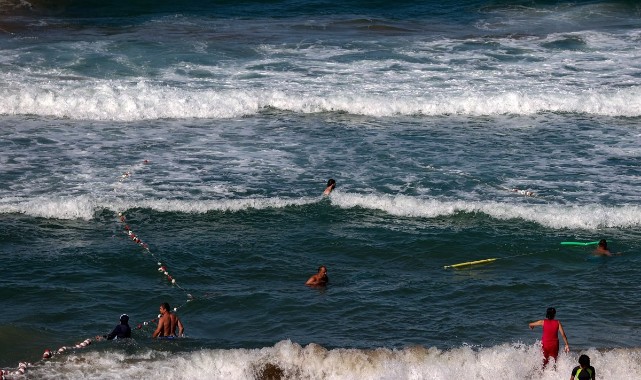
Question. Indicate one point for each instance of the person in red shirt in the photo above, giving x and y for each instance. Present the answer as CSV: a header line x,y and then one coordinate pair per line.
x,y
550,338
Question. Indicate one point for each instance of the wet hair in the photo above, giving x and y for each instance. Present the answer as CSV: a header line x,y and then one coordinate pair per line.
x,y
550,313
321,267
331,182
165,306
603,243
584,360
124,318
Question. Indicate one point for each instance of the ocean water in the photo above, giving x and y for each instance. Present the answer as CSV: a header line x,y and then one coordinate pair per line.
x,y
198,137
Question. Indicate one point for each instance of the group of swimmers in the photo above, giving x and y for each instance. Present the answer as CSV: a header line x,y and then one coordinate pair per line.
x,y
320,279
169,326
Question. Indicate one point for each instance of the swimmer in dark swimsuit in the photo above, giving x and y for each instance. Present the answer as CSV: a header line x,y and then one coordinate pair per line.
x,y
119,332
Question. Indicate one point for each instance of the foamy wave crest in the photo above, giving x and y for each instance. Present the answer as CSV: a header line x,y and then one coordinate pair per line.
x,y
143,101
588,217
85,207
232,205
287,360
82,207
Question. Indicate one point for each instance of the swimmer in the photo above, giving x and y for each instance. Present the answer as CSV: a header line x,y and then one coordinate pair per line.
x,y
524,192
331,184
320,278
120,331
168,323
584,371
602,249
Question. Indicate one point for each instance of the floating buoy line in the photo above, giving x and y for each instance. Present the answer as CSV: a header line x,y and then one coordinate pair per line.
x,y
21,370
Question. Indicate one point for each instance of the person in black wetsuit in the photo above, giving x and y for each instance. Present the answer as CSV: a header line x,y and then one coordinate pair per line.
x,y
584,371
121,331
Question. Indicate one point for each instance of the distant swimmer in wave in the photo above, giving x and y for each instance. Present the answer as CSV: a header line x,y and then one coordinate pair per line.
x,y
331,184
602,249
524,192
119,332
168,323
584,371
550,338
319,279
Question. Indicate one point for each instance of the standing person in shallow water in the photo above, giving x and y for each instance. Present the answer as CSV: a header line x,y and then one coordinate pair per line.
x,y
168,323
320,278
584,371
331,184
550,338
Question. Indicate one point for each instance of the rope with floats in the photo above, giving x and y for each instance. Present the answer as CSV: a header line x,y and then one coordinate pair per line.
x,y
48,354
134,237
21,370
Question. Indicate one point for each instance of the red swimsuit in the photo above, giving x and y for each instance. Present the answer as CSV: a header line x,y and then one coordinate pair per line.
x,y
550,339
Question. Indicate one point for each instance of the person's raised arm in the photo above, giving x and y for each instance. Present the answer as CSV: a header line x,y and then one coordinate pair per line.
x,y
534,324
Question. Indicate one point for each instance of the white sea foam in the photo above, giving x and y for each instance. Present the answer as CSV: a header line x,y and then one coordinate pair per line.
x,y
84,207
289,360
554,216
142,101
474,76
589,217
81,207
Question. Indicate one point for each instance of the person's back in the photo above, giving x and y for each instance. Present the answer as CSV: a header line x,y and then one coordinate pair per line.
x,y
550,332
331,184
164,322
122,330
584,371
550,338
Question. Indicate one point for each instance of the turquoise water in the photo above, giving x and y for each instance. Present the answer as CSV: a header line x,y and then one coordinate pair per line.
x,y
213,131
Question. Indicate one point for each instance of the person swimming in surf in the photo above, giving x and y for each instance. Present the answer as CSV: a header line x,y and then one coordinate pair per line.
x,y
167,323
584,371
320,278
331,184
120,331
602,249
